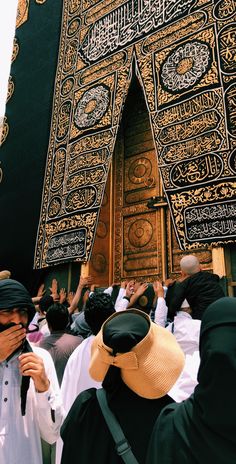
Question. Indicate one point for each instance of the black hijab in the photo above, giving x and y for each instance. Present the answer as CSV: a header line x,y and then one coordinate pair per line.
x,y
202,429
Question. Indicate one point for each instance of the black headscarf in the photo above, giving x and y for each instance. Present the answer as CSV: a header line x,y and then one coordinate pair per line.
x,y
14,295
122,334
202,429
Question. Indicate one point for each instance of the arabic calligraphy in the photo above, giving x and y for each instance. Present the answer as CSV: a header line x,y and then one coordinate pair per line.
x,y
227,46
90,142
86,160
176,31
186,109
63,120
230,98
209,212
66,246
58,169
210,230
80,199
185,66
54,207
225,9
193,127
128,23
201,169
86,177
92,106
191,148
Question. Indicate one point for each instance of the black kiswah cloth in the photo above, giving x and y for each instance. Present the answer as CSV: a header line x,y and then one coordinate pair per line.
x,y
14,295
202,429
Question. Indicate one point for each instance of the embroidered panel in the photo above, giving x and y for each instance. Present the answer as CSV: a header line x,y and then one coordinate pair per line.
x,y
183,52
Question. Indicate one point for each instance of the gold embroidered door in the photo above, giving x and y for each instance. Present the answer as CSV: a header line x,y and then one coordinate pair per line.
x,y
135,236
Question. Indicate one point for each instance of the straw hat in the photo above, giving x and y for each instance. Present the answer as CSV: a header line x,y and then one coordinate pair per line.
x,y
150,368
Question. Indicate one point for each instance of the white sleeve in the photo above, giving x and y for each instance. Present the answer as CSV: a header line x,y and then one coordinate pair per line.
x,y
161,312
120,294
187,381
121,305
49,404
108,290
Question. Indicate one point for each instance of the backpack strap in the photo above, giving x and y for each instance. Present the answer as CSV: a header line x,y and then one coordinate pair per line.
x,y
123,448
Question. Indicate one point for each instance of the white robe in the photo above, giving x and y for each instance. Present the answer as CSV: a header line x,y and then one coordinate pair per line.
x,y
20,436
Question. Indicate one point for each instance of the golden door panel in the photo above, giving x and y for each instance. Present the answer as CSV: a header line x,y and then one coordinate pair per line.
x,y
140,255
133,240
137,229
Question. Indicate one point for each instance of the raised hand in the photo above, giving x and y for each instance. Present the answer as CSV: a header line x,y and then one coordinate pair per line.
x,y
70,297
41,291
62,295
54,290
158,289
141,289
30,364
85,281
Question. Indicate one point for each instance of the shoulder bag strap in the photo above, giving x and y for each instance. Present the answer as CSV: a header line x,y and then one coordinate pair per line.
x,y
123,448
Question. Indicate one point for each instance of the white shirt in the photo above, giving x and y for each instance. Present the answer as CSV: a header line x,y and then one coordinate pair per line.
x,y
185,329
20,435
121,302
187,381
187,332
76,379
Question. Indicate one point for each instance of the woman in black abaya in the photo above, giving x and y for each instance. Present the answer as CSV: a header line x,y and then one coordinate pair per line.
x,y
202,429
137,363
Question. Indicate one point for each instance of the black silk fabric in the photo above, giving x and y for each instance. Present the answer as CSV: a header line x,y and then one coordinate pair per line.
x,y
23,153
202,429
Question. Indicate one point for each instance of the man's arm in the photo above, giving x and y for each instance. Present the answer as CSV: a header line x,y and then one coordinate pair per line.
x,y
175,296
161,308
83,282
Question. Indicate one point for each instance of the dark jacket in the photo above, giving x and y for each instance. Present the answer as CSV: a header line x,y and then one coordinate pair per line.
x,y
200,290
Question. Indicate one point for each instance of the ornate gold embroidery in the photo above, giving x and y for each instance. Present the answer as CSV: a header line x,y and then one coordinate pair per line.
x,y
16,49
176,60
11,88
22,12
5,131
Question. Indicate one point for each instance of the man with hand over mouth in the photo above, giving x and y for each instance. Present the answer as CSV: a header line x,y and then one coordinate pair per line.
x,y
30,402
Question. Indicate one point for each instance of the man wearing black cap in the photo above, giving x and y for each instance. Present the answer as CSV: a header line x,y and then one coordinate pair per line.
x,y
30,403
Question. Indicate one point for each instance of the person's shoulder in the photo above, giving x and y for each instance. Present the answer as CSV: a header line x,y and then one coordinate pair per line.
x,y
85,344
84,400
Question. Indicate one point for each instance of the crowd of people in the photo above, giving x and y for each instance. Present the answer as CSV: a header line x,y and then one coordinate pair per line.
x,y
136,373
